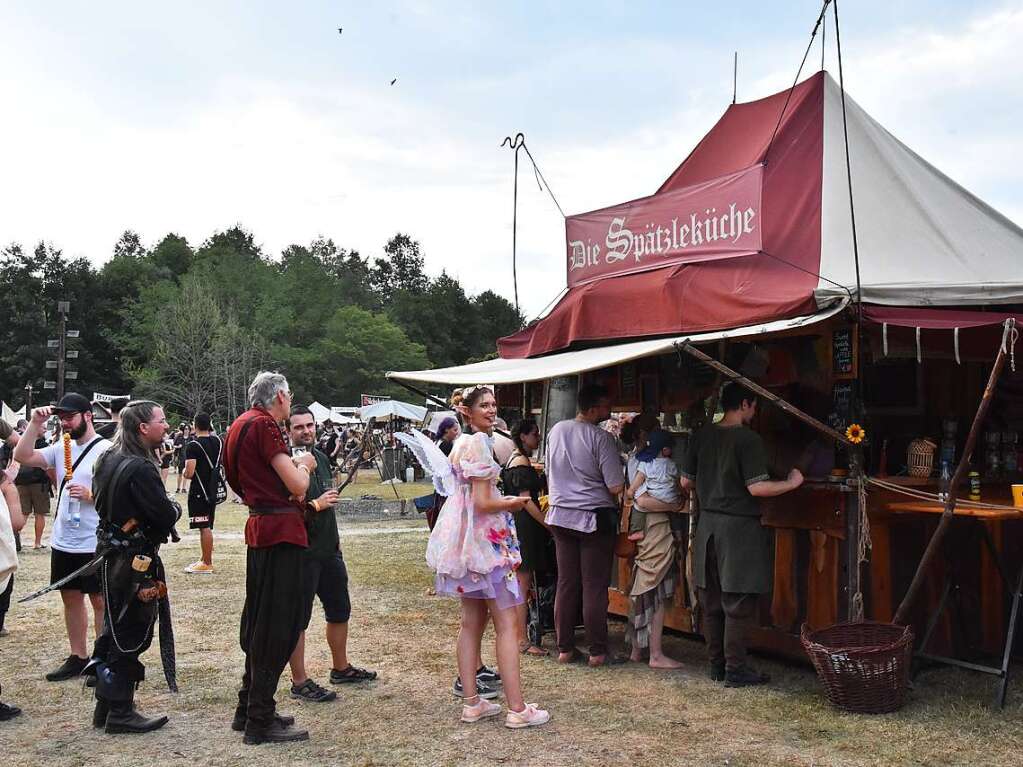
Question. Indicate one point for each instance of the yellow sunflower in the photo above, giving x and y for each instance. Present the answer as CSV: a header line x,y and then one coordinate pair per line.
x,y
855,433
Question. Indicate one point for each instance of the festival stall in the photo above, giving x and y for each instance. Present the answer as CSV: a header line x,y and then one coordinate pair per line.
x,y
745,263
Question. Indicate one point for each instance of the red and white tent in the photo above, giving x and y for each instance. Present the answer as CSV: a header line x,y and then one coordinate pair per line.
x,y
754,227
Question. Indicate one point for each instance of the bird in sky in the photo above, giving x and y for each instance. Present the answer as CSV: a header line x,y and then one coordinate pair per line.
x,y
394,81
339,30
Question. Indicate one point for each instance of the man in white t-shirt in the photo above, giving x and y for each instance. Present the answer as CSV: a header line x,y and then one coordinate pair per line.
x,y
73,539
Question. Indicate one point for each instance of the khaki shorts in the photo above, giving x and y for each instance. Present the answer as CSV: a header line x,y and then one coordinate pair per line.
x,y
35,499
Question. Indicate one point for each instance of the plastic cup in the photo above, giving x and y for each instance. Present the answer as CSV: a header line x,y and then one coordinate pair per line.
x,y
1017,496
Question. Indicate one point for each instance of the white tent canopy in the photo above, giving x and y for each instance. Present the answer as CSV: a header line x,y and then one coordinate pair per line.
x,y
503,371
336,416
923,239
436,417
323,413
320,412
392,408
12,416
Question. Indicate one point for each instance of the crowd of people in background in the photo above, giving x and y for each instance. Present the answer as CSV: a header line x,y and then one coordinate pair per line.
x,y
535,529
564,518
276,469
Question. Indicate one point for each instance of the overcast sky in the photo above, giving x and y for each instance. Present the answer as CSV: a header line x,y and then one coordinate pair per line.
x,y
193,116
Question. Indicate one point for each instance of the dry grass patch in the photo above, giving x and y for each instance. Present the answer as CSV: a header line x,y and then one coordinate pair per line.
x,y
618,716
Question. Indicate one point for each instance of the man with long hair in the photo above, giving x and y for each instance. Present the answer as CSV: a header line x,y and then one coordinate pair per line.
x,y
136,516
273,485
203,456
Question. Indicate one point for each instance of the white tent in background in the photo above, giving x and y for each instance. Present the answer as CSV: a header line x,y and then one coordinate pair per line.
x,y
320,413
437,417
12,416
392,409
340,418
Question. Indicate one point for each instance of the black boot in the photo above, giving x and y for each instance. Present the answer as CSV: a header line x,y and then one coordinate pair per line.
x,y
116,687
123,718
99,714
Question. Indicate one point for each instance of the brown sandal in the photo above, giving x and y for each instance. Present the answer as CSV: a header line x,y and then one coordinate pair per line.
x,y
528,648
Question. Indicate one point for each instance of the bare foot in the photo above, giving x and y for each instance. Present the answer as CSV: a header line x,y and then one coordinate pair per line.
x,y
664,662
636,536
636,656
568,657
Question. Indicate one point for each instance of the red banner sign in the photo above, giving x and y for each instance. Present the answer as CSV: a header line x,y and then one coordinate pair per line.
x,y
716,219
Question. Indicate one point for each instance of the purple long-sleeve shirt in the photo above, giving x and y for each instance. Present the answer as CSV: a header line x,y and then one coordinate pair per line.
x,y
582,463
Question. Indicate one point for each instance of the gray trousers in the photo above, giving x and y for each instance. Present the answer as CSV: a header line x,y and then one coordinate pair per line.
x,y
727,617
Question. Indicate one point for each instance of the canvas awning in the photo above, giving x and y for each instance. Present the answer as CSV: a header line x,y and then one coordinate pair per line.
x,y
934,319
504,371
754,226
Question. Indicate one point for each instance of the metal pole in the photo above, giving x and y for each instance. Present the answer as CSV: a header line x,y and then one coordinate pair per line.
x,y
61,348
28,400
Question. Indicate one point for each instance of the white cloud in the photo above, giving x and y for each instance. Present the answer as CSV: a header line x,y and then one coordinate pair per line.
x,y
291,160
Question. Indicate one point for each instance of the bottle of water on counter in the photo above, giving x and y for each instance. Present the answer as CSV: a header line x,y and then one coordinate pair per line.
x,y
946,481
74,512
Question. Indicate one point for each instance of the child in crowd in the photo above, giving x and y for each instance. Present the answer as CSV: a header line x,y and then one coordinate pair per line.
x,y
656,475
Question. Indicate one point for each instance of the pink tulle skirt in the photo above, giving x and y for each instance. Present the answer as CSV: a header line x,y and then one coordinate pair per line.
x,y
499,584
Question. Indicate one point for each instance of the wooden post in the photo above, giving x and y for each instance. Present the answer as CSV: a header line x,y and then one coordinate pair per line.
x,y
853,531
964,463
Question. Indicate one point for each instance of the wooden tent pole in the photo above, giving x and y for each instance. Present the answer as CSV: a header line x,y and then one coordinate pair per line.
x,y
964,463
760,391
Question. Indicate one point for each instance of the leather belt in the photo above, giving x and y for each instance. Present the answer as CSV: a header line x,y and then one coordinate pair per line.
x,y
264,510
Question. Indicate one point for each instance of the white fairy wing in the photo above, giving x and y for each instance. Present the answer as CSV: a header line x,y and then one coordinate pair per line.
x,y
432,459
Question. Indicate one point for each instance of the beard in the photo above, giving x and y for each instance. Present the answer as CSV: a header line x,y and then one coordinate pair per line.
x,y
79,431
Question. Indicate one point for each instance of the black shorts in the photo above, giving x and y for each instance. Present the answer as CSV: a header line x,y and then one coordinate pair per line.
x,y
165,462
200,513
326,578
63,563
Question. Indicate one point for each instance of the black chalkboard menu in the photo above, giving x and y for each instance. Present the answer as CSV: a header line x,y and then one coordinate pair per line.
x,y
843,353
841,405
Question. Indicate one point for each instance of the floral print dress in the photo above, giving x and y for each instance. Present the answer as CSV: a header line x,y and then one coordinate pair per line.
x,y
475,555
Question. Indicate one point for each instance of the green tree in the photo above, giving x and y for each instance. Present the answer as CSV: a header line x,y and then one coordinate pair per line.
x,y
497,317
173,257
357,349
402,269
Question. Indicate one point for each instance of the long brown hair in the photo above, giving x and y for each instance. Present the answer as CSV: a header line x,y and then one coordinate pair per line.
x,y
524,427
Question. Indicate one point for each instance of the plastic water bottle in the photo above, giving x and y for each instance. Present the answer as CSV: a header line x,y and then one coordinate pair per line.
x,y
74,512
946,481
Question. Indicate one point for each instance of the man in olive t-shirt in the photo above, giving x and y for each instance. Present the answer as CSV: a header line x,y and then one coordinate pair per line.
x,y
324,572
727,464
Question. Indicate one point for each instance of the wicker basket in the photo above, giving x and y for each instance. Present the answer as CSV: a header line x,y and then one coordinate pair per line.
x,y
920,457
864,666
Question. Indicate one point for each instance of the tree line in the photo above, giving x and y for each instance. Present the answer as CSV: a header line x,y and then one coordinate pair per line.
x,y
190,326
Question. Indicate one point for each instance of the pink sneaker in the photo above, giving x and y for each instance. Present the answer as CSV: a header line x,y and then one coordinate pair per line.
x,y
530,716
482,709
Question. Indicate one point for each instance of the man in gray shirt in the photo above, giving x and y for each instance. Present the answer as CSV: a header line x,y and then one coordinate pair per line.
x,y
584,471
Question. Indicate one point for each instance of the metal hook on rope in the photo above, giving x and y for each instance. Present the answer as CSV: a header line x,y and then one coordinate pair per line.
x,y
519,142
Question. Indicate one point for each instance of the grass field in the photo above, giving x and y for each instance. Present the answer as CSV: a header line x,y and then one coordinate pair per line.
x,y
619,716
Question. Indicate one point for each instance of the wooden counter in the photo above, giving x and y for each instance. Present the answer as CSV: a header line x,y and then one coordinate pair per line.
x,y
887,508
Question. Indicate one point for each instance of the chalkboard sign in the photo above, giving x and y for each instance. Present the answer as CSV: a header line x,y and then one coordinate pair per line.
x,y
629,385
841,405
843,353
